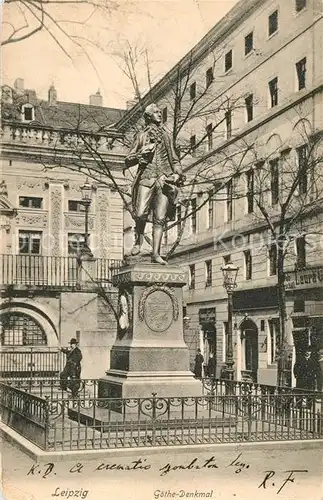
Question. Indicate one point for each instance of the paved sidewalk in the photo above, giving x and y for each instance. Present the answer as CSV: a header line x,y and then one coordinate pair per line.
x,y
220,474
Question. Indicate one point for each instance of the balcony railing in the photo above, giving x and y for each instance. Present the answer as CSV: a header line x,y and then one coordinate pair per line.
x,y
39,270
31,363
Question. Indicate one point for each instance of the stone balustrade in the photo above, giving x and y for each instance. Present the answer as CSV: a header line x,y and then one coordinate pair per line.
x,y
35,135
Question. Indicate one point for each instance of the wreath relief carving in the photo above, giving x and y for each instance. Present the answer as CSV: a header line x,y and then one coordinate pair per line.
x,y
158,307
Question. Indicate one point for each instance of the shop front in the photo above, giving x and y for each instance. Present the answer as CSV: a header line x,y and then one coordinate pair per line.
x,y
207,321
305,291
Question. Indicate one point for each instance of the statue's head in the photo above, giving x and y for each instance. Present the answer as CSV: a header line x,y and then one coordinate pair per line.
x,y
152,114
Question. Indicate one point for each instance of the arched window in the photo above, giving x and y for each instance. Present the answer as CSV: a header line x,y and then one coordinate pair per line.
x,y
18,329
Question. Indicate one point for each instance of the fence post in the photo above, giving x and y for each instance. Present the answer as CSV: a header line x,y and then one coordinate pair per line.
x,y
154,403
249,402
46,437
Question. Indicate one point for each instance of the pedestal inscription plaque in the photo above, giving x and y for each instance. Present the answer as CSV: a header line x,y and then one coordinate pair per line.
x,y
158,311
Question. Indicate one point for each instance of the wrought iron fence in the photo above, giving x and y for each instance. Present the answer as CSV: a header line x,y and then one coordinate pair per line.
x,y
49,388
88,422
222,387
25,413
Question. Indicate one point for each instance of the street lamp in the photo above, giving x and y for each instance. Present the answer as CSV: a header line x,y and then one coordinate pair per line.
x,y
230,272
86,191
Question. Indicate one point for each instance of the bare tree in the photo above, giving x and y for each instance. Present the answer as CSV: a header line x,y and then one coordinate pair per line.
x,y
284,194
64,21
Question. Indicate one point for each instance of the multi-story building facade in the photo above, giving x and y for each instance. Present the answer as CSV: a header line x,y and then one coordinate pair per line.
x,y
254,83
47,297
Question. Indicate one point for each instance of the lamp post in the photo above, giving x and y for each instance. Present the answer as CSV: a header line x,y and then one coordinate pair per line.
x,y
230,272
86,191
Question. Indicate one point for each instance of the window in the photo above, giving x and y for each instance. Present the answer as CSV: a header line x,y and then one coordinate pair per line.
x,y
76,206
229,200
30,242
300,5
299,306
226,259
193,91
28,112
301,73
20,329
193,143
302,169
210,209
248,264
273,92
274,338
250,191
300,252
209,77
179,219
191,277
76,243
273,23
228,61
164,114
249,107
208,273
272,255
228,124
274,181
193,216
248,43
30,202
209,134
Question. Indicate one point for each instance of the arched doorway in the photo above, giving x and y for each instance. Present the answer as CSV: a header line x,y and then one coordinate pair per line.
x,y
249,344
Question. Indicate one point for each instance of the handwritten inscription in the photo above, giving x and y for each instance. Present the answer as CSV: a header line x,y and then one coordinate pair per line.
x,y
269,482
270,479
158,311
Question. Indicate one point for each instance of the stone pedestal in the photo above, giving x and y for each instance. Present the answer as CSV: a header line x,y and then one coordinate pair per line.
x,y
149,354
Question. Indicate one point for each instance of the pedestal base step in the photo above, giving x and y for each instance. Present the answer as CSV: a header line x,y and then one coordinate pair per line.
x,y
144,385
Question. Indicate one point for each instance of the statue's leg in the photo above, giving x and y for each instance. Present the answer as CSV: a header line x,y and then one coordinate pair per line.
x,y
160,210
144,197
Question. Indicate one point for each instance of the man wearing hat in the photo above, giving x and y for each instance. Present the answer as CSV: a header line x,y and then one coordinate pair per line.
x,y
70,376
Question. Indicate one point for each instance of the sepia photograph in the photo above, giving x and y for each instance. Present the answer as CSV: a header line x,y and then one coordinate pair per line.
x,y
161,251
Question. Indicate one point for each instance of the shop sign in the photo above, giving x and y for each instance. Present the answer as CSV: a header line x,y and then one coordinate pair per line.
x,y
305,278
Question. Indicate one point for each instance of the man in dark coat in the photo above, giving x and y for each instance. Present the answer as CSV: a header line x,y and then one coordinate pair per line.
x,y
70,376
199,359
305,372
154,190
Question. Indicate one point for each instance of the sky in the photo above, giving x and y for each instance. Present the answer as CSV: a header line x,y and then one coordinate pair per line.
x,y
166,28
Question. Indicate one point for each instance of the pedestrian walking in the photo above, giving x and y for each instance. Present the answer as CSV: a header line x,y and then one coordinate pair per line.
x,y
70,376
199,359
